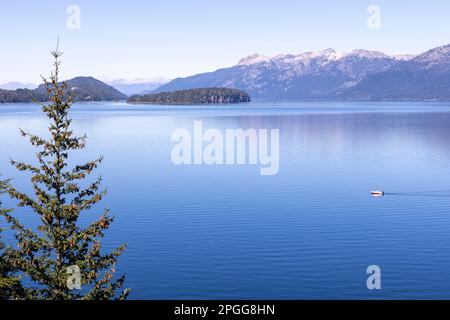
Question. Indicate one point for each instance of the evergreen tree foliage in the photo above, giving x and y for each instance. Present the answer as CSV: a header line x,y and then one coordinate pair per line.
x,y
10,287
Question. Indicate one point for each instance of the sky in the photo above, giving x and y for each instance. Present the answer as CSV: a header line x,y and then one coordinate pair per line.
x,y
176,38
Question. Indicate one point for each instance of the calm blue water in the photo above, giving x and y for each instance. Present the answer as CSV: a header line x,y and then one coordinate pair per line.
x,y
210,232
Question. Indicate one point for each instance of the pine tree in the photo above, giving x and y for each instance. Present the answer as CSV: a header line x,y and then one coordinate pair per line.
x,y
10,286
51,254
5,267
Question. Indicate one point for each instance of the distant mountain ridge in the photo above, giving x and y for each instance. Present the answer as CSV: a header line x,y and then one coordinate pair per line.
x,y
137,86
328,74
17,85
82,88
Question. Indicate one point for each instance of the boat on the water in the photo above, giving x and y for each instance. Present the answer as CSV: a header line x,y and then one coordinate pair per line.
x,y
377,193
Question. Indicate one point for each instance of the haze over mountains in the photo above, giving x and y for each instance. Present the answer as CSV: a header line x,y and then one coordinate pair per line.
x,y
327,74
17,85
137,86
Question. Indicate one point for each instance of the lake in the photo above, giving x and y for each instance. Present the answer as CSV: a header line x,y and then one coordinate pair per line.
x,y
307,232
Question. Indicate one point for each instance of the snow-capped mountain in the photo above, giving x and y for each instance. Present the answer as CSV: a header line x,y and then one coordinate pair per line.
x,y
439,56
424,77
253,59
304,75
318,74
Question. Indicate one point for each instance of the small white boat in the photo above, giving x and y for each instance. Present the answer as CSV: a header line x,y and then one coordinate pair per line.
x,y
377,193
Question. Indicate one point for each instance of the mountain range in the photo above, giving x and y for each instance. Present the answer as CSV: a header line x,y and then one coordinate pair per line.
x,y
328,74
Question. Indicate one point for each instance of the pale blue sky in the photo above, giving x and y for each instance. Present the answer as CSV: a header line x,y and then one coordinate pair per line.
x,y
171,38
